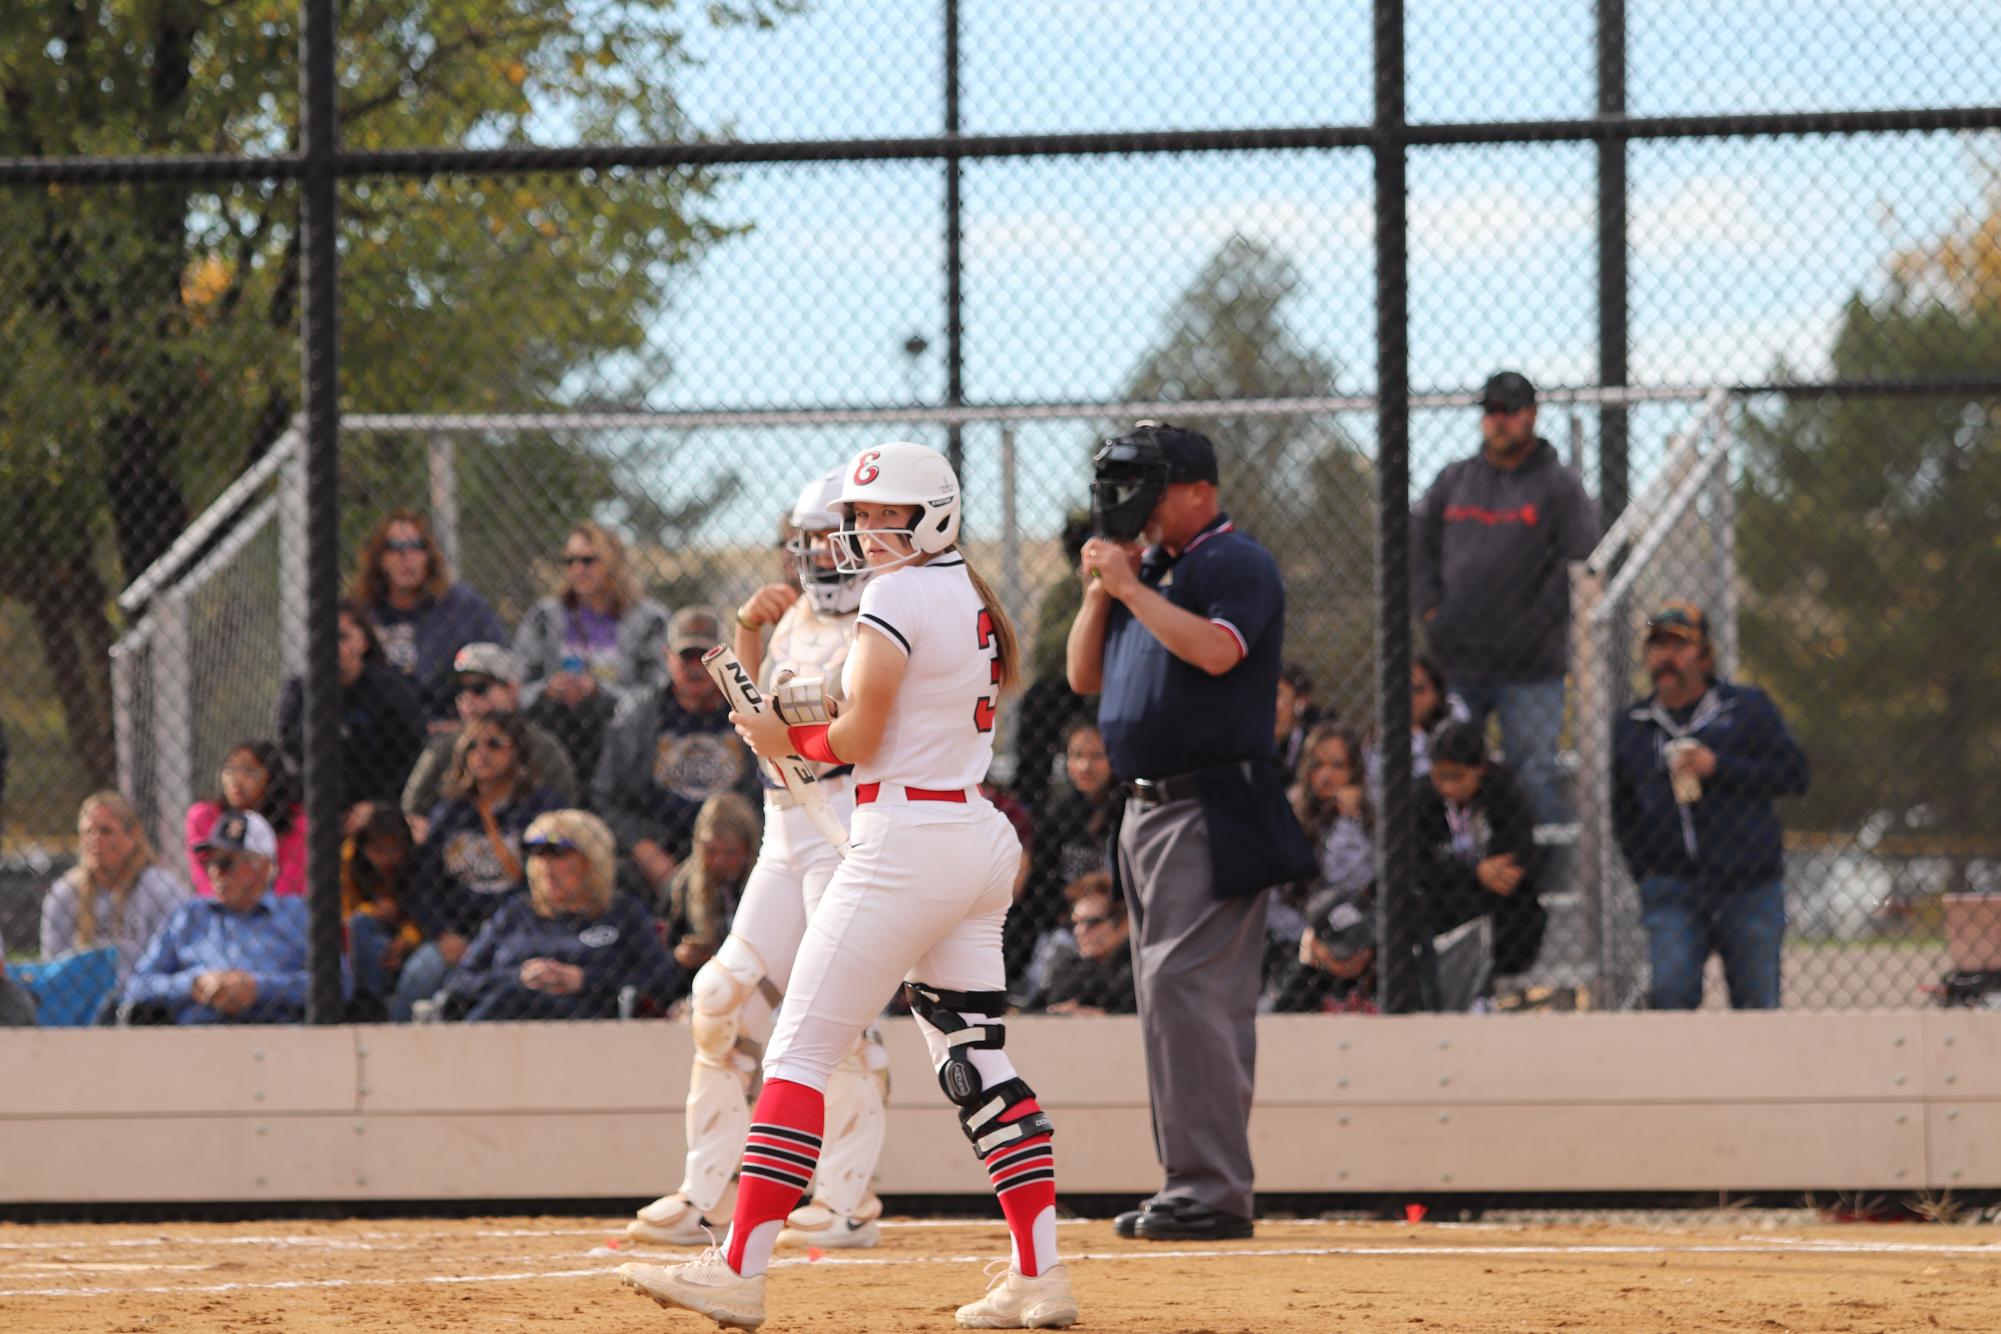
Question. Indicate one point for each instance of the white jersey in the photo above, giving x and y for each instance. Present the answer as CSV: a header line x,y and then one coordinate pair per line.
x,y
941,728
806,642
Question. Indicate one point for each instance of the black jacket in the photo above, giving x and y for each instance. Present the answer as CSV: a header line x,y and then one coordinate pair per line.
x,y
1450,891
381,732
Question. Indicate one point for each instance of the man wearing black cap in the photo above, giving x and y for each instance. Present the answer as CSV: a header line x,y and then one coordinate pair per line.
x,y
1492,542
1182,643
1695,768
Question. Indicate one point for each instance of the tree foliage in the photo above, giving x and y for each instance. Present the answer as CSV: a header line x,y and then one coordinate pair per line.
x,y
1867,538
1298,484
149,333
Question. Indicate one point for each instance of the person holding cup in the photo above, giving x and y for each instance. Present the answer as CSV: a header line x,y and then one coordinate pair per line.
x,y
1696,768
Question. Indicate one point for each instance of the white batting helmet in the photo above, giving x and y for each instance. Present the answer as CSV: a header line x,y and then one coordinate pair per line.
x,y
899,472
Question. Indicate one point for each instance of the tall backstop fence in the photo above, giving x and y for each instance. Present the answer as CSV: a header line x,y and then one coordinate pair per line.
x,y
529,330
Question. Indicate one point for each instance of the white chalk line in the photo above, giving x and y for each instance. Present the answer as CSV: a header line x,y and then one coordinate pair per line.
x,y
1175,1253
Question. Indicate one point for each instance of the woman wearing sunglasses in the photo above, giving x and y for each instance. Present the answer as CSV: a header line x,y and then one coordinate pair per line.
x,y
472,857
571,943
597,641
421,615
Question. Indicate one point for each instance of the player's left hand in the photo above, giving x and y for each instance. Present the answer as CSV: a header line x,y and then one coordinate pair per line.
x,y
764,733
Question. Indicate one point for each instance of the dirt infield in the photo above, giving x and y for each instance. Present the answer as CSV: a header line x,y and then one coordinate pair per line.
x,y
538,1273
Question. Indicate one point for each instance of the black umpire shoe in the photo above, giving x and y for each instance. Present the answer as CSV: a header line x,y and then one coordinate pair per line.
x,y
1125,1223
1188,1220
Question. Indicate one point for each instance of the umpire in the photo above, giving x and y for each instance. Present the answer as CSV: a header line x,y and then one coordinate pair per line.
x,y
1181,642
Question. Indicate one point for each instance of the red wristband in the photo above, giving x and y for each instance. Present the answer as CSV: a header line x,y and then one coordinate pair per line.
x,y
809,742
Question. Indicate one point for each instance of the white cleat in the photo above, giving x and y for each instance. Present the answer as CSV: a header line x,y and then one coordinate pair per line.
x,y
673,1220
707,1286
816,1224
1014,1301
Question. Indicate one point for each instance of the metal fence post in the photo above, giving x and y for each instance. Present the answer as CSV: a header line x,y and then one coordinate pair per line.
x,y
319,355
1395,855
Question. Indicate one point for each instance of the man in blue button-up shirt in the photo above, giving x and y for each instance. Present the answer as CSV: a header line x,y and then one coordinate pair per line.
x,y
239,957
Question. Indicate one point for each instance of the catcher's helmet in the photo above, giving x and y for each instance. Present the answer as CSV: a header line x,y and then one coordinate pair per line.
x,y
833,590
1129,473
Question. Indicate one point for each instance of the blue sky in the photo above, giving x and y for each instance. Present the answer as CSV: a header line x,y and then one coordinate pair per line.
x,y
1743,251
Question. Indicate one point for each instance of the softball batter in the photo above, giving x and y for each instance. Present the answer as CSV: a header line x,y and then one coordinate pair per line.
x,y
920,899
736,993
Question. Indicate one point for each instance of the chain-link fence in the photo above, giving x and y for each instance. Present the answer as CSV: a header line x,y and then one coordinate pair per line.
x,y
584,386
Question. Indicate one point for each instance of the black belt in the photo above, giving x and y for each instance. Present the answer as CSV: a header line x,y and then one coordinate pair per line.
x,y
1175,787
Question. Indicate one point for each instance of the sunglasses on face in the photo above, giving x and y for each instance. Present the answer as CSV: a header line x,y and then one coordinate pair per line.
x,y
1083,923
580,560
691,654
404,544
548,849
490,743
476,687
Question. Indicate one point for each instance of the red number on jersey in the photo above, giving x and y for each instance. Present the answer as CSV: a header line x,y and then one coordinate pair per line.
x,y
984,706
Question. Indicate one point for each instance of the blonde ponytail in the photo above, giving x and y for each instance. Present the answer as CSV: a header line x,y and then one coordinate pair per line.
x,y
1007,647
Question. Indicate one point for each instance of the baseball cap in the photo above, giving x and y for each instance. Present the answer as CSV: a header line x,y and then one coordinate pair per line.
x,y
488,660
1341,920
1678,620
1190,457
241,831
1511,389
694,627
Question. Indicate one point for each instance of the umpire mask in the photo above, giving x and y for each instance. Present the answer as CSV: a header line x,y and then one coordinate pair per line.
x,y
1129,474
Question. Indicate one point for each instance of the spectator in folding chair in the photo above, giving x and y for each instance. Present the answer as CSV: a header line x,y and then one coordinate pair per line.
x,y
17,1007
489,681
595,643
1096,977
1333,969
471,859
569,947
1071,840
668,751
381,720
1293,715
255,776
239,957
117,895
701,900
1476,872
376,866
1432,705
421,615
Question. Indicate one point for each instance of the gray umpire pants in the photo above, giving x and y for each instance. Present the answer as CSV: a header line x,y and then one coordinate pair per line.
x,y
1197,964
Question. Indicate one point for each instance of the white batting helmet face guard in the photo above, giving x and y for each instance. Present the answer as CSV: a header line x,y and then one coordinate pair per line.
x,y
815,518
899,473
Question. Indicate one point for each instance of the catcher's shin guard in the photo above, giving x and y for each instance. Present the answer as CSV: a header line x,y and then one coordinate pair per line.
x,y
731,1015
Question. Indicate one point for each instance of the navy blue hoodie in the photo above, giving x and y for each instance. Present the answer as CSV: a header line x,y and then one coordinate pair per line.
x,y
1490,553
616,949
1730,838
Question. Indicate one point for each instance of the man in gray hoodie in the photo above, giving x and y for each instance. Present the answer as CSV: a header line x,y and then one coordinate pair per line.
x,y
1491,544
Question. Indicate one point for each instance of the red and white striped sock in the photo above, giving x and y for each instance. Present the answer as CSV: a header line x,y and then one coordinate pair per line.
x,y
1024,1177
778,1161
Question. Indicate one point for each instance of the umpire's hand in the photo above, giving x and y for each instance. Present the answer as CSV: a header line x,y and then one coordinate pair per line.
x,y
1114,565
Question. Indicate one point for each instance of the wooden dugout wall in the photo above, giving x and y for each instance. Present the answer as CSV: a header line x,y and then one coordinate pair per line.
x,y
1449,1103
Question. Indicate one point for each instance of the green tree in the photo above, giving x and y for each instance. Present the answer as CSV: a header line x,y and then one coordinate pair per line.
x,y
1298,484
149,333
1867,541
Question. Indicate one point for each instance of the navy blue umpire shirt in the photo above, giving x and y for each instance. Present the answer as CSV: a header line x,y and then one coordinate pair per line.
x,y
1161,716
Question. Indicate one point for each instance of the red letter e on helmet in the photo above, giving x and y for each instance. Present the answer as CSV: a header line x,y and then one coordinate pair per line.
x,y
865,469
